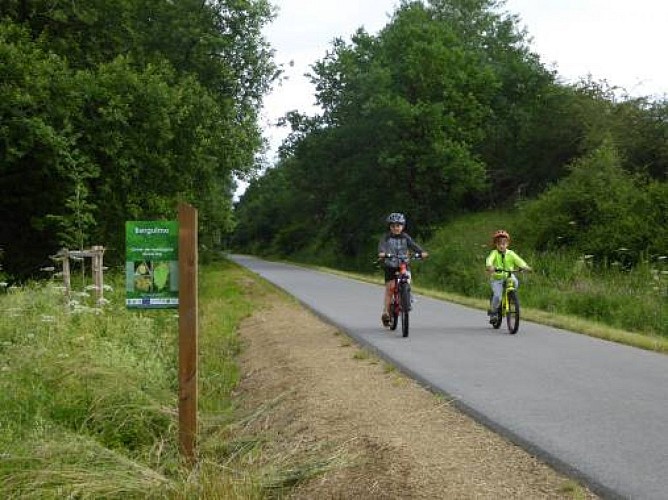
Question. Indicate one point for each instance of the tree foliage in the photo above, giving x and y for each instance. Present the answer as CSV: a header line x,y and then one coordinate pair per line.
x,y
113,110
404,118
446,110
601,210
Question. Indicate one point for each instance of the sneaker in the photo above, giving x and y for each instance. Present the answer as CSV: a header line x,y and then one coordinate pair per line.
x,y
385,318
493,318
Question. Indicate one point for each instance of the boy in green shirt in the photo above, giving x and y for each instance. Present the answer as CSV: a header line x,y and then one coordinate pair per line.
x,y
501,258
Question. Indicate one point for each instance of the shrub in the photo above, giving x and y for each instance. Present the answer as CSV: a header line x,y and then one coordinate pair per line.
x,y
598,209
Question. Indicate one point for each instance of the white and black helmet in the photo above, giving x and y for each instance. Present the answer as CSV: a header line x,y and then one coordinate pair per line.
x,y
396,218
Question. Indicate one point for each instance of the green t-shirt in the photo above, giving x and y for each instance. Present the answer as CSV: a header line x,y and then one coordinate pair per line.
x,y
510,261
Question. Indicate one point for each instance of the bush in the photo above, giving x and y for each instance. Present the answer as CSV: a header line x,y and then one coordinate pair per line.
x,y
600,210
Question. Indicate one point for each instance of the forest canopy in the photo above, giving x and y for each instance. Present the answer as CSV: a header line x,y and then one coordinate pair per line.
x,y
447,111
115,110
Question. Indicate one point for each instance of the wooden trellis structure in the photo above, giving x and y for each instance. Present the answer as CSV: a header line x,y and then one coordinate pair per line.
x,y
96,254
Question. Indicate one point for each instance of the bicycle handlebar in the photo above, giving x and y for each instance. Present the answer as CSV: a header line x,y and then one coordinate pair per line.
x,y
406,258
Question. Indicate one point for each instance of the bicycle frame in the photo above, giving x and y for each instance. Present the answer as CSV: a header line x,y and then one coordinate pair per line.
x,y
400,304
510,304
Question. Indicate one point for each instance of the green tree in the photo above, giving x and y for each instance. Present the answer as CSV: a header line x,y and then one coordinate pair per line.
x,y
404,114
122,108
598,209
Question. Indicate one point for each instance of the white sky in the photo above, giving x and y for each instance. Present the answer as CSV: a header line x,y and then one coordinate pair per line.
x,y
621,41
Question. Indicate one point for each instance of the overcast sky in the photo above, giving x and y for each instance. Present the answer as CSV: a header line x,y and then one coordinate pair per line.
x,y
621,41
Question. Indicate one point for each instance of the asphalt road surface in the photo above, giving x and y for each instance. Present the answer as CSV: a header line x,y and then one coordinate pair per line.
x,y
593,409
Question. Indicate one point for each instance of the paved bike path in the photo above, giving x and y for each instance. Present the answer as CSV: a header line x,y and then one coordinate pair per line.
x,y
593,409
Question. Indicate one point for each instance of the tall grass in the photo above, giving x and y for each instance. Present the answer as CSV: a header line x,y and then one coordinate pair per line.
x,y
89,397
579,285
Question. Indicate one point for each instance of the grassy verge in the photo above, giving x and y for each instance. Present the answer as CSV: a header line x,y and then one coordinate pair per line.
x,y
89,397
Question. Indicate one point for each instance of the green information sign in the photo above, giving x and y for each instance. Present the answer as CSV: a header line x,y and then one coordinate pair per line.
x,y
151,264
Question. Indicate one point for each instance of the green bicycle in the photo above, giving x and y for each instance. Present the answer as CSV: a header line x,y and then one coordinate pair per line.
x,y
510,304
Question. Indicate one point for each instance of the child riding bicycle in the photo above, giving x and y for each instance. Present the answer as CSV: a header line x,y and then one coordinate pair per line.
x,y
501,257
395,243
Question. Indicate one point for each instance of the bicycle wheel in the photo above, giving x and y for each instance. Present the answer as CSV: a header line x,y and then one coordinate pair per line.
x,y
404,323
405,308
497,322
394,312
513,316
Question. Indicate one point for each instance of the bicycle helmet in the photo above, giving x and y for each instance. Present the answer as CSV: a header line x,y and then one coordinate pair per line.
x,y
501,233
396,218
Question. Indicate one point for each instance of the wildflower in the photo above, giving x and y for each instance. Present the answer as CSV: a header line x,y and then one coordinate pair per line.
x,y
48,319
622,249
588,256
92,287
108,288
572,223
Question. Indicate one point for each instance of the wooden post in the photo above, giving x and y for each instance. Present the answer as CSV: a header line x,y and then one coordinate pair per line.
x,y
188,331
66,273
97,265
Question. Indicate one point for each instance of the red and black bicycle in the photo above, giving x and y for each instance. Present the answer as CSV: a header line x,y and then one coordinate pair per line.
x,y
400,303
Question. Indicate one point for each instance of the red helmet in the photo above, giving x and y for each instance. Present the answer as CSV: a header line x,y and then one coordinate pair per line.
x,y
501,233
